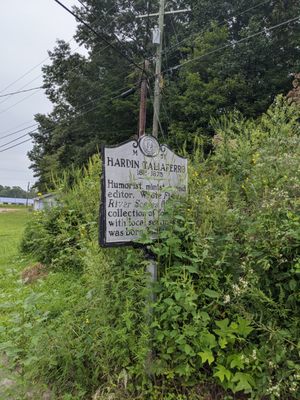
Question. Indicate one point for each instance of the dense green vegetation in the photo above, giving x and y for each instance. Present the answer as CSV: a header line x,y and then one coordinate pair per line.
x,y
225,320
210,68
226,315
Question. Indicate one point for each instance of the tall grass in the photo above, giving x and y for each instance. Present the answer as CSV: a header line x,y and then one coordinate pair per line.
x,y
226,312
12,225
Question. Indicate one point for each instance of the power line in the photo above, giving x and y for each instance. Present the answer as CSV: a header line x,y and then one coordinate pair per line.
x,y
52,129
30,70
25,98
101,36
15,145
22,87
219,24
107,11
25,74
18,131
252,8
83,5
233,44
15,140
114,6
45,59
70,70
18,102
173,68
141,51
15,127
21,91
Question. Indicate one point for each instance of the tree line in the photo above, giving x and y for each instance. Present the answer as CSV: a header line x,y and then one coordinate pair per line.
x,y
15,191
220,57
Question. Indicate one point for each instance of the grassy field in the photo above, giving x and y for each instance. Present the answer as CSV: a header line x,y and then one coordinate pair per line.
x,y
12,224
17,304
12,294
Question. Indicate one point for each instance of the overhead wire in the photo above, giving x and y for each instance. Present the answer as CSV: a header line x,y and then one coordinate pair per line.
x,y
99,35
20,91
18,131
253,7
175,32
72,69
15,140
179,66
83,5
114,6
18,144
15,127
31,69
219,24
52,129
18,102
168,68
22,87
47,58
233,43
25,74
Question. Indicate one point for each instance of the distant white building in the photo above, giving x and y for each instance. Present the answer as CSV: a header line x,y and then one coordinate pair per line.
x,y
16,200
44,201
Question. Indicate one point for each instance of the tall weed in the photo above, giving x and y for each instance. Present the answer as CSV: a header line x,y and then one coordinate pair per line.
x,y
226,316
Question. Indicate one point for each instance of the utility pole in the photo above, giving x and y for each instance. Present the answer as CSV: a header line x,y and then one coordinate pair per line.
x,y
143,100
156,101
28,187
157,86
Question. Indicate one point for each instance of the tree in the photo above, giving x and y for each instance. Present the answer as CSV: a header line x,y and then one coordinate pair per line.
x,y
14,191
211,66
222,74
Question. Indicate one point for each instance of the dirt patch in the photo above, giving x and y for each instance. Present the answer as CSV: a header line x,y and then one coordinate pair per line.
x,y
33,273
8,209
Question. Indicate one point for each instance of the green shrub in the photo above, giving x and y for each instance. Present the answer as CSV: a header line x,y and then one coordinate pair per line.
x,y
226,317
57,235
228,298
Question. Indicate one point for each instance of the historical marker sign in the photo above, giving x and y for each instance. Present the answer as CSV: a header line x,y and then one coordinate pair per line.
x,y
138,178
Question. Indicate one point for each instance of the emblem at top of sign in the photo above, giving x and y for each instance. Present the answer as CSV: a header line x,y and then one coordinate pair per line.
x,y
149,146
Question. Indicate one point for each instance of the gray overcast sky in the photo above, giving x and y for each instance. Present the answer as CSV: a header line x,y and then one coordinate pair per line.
x,y
28,28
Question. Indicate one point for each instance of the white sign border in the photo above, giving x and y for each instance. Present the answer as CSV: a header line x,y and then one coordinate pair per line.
x,y
102,211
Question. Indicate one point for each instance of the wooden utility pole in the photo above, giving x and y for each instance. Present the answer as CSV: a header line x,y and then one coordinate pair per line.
x,y
156,101
157,87
143,100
